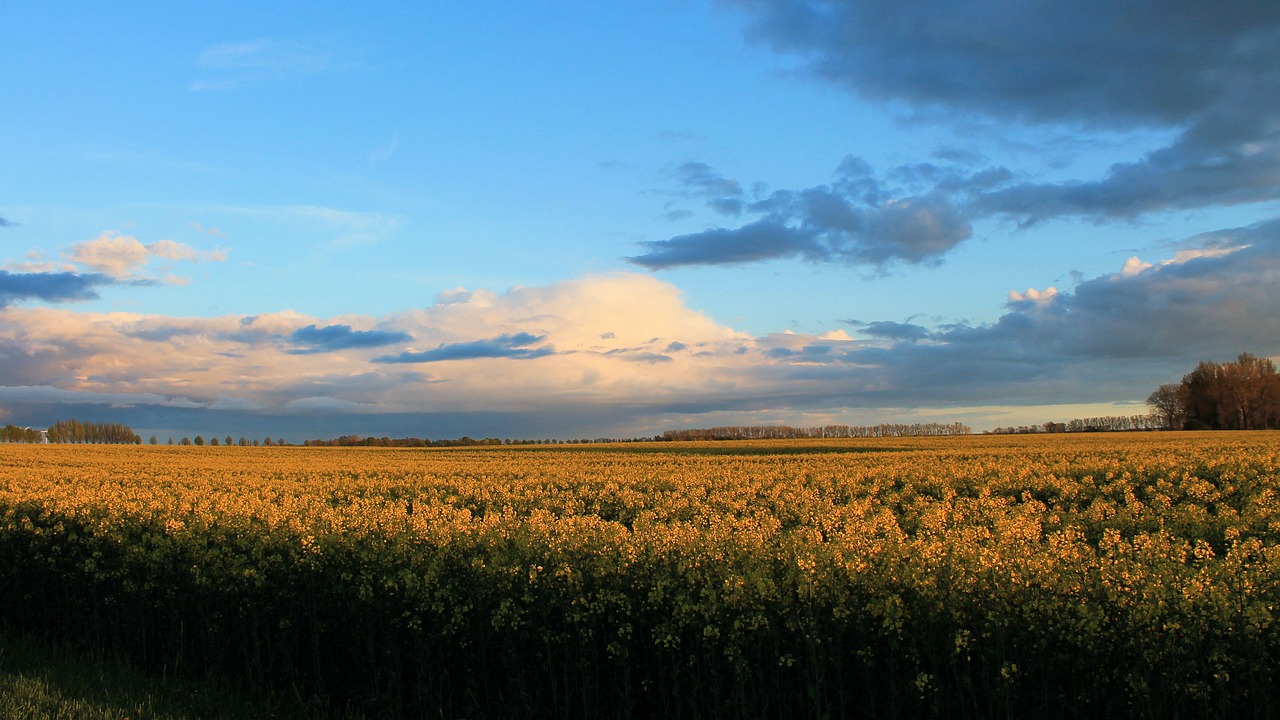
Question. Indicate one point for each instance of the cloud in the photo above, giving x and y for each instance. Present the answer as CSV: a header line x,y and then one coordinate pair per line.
x,y
515,347
47,394
915,215
1206,77
216,362
1129,64
1032,296
889,330
1205,71
342,229
213,231
123,257
700,180
49,286
111,254
230,65
7,223
313,339
1112,337
386,151
626,352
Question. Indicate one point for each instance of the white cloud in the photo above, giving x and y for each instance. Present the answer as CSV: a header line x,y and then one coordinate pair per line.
x,y
1133,266
1033,295
109,253
124,257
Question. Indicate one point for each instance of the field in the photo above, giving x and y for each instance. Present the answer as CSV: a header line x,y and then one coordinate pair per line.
x,y
1062,576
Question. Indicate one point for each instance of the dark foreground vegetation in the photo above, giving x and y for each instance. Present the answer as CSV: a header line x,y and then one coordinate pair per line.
x,y
46,679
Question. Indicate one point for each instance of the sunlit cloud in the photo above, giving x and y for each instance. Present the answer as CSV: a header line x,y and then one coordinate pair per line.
x,y
124,258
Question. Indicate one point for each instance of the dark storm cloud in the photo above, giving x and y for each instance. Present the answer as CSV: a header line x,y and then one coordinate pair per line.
x,y
1097,62
1208,70
312,339
1209,73
519,346
49,287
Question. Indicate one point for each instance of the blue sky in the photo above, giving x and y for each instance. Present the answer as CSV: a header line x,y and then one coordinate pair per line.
x,y
530,220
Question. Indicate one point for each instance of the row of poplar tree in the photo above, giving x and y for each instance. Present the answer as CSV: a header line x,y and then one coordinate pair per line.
x,y
73,431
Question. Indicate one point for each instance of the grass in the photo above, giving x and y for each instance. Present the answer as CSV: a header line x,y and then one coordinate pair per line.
x,y
42,680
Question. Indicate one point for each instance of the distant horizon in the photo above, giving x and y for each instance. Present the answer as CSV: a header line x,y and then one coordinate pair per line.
x,y
610,220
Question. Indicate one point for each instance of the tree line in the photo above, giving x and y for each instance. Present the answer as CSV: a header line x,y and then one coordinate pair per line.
x,y
14,434
785,432
1103,423
1240,395
199,441
386,441
73,431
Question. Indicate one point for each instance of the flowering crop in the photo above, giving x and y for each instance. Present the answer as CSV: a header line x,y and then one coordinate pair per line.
x,y
1095,575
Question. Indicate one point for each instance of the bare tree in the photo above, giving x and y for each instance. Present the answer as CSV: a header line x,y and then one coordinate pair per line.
x,y
1166,403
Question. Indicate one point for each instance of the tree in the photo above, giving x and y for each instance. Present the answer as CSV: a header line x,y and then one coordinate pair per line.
x,y
228,442
1240,395
1167,404
154,440
200,440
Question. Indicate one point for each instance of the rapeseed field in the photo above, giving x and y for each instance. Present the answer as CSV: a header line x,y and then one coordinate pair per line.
x,y
1090,575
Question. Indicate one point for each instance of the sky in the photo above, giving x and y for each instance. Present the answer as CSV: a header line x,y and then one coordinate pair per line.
x,y
583,219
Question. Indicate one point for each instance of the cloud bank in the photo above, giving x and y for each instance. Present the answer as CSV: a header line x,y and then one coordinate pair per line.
x,y
626,352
